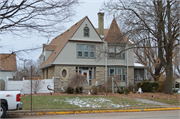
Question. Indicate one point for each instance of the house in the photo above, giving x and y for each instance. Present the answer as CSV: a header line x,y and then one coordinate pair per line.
x,y
77,49
8,68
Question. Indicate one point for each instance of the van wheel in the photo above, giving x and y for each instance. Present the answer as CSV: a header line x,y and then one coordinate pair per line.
x,y
2,111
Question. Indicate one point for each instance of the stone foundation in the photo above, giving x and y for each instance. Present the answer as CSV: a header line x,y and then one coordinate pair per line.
x,y
59,80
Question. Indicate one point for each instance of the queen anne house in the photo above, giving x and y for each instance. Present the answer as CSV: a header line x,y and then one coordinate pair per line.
x,y
77,49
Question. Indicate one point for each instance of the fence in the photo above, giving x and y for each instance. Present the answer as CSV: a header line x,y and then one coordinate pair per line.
x,y
25,86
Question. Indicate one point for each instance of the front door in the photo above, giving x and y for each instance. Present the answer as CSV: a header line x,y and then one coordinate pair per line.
x,y
86,74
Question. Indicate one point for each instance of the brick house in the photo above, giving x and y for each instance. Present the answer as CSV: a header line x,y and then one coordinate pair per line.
x,y
77,49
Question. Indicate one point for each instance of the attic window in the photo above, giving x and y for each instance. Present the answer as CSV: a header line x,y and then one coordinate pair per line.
x,y
86,31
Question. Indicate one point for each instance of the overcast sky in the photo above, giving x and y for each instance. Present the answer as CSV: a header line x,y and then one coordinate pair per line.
x,y
11,43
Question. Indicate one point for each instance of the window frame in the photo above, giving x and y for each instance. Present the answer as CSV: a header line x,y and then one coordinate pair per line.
x,y
123,74
120,73
79,51
86,50
89,51
114,56
114,71
86,31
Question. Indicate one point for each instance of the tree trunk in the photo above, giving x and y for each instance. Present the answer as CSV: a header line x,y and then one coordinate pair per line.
x,y
168,83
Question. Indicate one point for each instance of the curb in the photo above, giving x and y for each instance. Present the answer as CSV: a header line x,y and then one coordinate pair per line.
x,y
88,112
107,111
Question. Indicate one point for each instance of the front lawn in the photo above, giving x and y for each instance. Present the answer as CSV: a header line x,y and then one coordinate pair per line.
x,y
167,100
68,102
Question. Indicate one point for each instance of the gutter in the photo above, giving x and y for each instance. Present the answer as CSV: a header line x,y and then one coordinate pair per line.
x,y
47,65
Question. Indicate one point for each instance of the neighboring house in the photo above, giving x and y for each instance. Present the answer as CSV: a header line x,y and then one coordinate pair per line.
x,y
77,49
8,67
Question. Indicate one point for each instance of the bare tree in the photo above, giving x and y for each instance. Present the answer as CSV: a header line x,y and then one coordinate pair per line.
x,y
25,70
176,62
37,84
45,16
77,80
158,21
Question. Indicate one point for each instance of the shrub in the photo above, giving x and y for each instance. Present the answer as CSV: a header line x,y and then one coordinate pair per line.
x,y
77,90
155,85
161,86
126,91
70,90
120,90
148,86
94,90
134,92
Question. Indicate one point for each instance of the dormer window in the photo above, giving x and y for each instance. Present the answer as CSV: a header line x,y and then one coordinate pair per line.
x,y
86,31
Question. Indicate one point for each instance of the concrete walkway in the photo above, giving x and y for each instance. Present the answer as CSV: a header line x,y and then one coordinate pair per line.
x,y
153,102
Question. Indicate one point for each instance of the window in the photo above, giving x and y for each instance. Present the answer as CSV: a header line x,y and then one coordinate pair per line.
x,y
124,76
94,72
91,51
123,53
111,52
119,73
79,50
64,73
111,72
138,75
118,50
86,51
86,31
114,52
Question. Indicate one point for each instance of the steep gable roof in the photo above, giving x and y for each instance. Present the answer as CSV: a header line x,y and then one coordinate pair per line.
x,y
60,41
8,62
114,34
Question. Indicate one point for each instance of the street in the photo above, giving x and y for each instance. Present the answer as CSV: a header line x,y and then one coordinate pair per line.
x,y
174,114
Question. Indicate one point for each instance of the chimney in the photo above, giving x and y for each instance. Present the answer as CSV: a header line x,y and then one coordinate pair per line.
x,y
101,23
44,45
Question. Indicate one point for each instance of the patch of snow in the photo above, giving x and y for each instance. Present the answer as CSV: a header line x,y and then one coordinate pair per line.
x,y
138,65
92,103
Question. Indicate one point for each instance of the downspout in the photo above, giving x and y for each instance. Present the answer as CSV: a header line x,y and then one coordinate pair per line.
x,y
127,81
106,64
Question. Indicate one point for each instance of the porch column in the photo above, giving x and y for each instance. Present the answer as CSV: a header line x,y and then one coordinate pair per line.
x,y
92,72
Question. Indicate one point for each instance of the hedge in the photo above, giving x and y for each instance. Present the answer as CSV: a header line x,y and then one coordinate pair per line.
x,y
147,86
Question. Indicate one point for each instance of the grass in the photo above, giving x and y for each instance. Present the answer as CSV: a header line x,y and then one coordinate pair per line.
x,y
166,100
79,102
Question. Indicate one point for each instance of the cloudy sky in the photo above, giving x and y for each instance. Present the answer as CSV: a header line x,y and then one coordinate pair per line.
x,y
11,43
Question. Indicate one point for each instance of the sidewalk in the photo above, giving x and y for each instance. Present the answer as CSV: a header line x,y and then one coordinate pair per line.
x,y
55,111
153,102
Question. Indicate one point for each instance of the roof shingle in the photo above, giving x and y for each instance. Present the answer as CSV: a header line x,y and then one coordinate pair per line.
x,y
8,62
60,41
114,34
